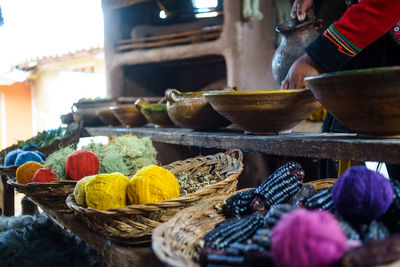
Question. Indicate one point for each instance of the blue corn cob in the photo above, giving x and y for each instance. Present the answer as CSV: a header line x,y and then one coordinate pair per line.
x,y
232,231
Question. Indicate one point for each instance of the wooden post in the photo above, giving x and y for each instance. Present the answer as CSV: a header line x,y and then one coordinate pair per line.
x,y
6,197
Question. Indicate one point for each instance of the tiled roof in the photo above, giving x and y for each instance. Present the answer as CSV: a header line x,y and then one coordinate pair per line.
x,y
34,62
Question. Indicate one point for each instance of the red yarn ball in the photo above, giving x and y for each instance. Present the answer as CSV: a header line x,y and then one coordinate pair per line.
x,y
80,164
304,238
44,175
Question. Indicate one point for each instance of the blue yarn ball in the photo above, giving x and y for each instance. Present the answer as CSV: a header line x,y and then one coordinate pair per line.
x,y
42,156
11,157
361,195
26,156
29,147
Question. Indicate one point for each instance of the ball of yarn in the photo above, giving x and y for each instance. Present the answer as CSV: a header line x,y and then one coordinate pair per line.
x,y
362,195
41,155
304,238
11,156
25,172
44,175
81,163
26,156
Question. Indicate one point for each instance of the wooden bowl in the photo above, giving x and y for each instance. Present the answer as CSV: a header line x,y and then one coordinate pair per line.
x,y
86,111
191,110
154,113
107,116
264,112
128,115
365,101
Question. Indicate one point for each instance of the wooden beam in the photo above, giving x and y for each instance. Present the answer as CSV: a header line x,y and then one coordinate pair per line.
x,y
311,145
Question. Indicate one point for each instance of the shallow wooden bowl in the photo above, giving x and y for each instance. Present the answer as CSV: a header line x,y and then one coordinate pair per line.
x,y
264,112
191,110
154,113
107,116
365,101
86,111
128,115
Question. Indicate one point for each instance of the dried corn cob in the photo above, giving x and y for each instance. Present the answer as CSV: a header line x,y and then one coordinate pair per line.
x,y
392,217
275,213
373,231
306,191
287,170
279,193
349,231
279,186
263,238
232,231
321,200
239,204
210,257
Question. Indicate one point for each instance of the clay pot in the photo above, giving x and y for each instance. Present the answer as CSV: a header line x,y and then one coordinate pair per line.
x,y
365,101
191,110
295,37
264,112
154,113
86,111
128,115
107,116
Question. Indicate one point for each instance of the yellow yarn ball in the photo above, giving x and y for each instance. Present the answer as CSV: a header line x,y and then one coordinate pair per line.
x,y
152,184
26,171
106,191
80,190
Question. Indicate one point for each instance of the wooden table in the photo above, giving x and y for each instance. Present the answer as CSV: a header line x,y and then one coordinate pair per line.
x,y
312,145
113,254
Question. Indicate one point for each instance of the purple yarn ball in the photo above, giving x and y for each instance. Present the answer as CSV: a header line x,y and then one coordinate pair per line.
x,y
304,238
362,195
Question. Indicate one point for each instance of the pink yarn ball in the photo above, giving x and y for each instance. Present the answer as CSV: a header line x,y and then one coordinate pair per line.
x,y
304,238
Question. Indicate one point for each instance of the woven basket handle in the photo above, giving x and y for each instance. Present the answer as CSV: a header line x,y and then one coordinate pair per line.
x,y
235,153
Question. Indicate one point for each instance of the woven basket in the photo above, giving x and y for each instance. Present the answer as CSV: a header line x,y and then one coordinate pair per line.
x,y
322,183
134,224
70,139
176,242
48,195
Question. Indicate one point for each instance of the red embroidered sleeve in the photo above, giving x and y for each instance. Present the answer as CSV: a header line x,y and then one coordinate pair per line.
x,y
365,22
360,25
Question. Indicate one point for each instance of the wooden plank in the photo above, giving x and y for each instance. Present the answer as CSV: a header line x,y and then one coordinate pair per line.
x,y
121,3
7,195
194,38
312,145
171,36
113,254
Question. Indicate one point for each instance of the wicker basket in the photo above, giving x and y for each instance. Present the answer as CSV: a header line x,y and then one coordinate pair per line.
x,y
176,242
322,183
134,224
72,138
47,195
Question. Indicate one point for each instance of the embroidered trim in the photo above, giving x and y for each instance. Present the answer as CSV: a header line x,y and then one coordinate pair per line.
x,y
344,45
396,34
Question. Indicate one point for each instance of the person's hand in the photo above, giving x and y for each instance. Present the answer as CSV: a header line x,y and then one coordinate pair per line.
x,y
303,67
300,8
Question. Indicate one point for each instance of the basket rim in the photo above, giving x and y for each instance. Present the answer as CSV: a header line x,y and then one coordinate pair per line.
x,y
13,182
139,208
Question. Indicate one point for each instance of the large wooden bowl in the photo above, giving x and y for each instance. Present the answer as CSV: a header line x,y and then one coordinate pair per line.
x,y
264,112
191,110
365,101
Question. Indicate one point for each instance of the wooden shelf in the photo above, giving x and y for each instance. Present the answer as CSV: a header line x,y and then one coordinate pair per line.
x,y
113,254
311,145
